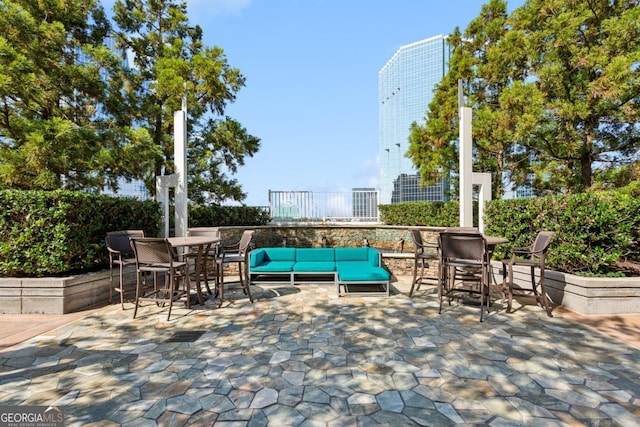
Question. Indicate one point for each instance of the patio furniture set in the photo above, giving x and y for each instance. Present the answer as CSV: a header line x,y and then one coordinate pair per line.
x,y
462,255
163,264
348,269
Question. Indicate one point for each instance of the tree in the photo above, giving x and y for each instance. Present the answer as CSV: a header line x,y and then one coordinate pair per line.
x,y
555,89
583,83
169,56
55,129
433,146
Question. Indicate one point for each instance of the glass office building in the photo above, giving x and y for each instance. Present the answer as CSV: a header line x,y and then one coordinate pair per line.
x,y
405,89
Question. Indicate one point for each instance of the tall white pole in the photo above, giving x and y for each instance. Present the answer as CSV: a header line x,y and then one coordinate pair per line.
x,y
466,162
180,160
466,169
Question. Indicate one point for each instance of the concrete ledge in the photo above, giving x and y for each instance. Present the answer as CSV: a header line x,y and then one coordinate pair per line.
x,y
586,295
56,295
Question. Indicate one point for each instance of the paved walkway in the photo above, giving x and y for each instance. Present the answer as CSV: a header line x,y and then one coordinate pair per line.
x,y
301,356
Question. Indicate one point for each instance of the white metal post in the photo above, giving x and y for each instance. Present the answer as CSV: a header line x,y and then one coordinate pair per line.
x,y
482,179
180,160
466,168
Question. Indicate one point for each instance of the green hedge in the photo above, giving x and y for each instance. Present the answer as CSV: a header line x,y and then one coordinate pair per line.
x,y
433,214
49,233
219,216
594,230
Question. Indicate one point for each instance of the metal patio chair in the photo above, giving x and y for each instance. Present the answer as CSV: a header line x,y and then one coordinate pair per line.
x,y
531,256
464,269
210,255
120,255
237,253
157,256
423,253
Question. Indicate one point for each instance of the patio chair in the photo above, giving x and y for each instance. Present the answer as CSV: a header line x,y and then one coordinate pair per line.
x,y
157,256
464,269
422,254
237,253
210,255
531,256
120,255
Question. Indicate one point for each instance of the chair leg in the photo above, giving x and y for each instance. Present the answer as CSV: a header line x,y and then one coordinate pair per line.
x,y
221,286
170,290
442,280
510,289
135,309
415,275
110,283
545,300
121,284
246,285
206,276
533,281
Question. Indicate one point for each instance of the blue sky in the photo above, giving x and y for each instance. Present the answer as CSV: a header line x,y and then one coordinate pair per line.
x,y
311,69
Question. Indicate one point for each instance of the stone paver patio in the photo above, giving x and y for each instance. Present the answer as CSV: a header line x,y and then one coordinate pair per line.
x,y
304,357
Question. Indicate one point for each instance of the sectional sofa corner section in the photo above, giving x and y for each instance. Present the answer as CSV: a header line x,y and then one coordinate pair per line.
x,y
343,267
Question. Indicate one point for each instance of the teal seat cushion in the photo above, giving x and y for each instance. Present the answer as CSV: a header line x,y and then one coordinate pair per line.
x,y
371,255
262,256
352,254
280,254
273,267
314,266
361,272
315,254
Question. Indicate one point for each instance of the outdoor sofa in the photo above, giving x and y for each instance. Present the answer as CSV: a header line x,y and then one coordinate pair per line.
x,y
354,270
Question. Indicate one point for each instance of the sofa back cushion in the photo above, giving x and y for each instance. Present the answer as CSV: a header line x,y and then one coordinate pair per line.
x,y
315,254
370,255
263,255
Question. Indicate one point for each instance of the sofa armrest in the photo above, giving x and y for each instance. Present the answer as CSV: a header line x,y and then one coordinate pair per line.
x,y
256,257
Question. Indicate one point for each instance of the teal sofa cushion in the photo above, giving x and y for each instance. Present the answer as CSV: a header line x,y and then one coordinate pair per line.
x,y
274,267
314,266
361,272
370,255
272,260
315,254
263,255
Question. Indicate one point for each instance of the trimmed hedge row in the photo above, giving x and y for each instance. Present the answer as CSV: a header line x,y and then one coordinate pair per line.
x,y
432,214
595,231
46,233
50,233
208,216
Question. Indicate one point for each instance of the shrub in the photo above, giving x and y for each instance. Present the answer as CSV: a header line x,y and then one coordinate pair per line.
x,y
214,216
428,214
595,230
48,233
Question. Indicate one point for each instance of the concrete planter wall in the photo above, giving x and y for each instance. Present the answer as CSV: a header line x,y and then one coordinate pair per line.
x,y
588,295
56,295
68,294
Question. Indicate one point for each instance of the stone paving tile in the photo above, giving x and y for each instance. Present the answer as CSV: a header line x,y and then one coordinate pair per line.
x,y
304,357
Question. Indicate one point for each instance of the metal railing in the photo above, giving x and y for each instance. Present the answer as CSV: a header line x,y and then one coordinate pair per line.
x,y
358,205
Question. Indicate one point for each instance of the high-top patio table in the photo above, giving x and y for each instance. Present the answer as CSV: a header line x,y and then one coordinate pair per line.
x,y
203,243
492,242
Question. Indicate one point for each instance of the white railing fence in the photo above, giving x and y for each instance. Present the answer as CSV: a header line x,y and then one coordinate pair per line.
x,y
358,205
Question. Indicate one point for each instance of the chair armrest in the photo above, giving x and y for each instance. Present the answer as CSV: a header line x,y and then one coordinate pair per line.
x,y
522,250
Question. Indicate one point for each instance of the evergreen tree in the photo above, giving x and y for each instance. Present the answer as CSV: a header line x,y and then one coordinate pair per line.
x,y
55,127
583,89
555,91
169,56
